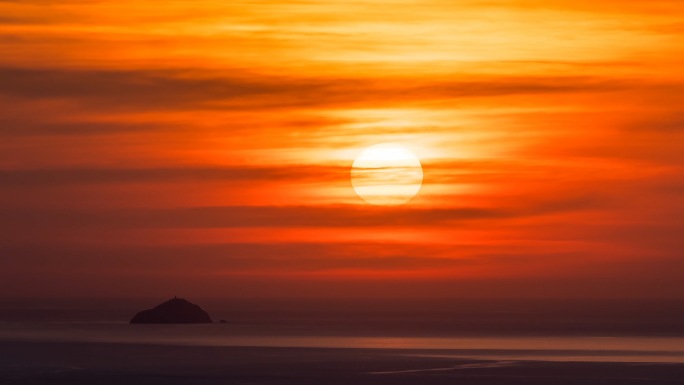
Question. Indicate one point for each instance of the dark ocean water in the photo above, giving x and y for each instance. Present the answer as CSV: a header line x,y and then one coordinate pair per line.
x,y
385,317
344,341
567,330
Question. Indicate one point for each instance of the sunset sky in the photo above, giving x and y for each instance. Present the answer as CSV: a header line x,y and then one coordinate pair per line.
x,y
203,148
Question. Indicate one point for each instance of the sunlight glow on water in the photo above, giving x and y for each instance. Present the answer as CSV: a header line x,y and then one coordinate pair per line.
x,y
594,349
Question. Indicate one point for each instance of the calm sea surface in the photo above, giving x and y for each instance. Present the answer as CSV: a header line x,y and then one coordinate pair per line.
x,y
598,331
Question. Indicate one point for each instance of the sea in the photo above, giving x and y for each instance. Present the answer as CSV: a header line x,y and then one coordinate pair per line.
x,y
566,330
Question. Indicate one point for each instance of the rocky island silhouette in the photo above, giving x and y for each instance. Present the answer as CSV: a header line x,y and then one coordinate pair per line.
x,y
174,311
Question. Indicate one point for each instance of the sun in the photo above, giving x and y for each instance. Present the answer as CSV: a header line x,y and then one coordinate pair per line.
x,y
386,174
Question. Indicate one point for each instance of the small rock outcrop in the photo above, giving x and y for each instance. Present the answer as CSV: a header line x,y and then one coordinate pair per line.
x,y
174,311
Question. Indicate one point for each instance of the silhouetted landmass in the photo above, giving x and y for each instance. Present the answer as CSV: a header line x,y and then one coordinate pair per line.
x,y
174,311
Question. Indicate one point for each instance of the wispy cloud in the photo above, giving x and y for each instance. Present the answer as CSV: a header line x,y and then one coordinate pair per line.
x,y
71,176
294,216
168,89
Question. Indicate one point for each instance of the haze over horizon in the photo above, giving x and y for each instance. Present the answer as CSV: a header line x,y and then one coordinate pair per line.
x,y
204,148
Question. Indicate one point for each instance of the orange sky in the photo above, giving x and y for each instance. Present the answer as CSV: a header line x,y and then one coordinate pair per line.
x,y
204,147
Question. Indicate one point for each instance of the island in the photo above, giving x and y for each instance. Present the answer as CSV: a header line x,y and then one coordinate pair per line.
x,y
173,311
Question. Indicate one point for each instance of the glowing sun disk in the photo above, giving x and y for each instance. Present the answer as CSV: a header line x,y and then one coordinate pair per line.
x,y
386,174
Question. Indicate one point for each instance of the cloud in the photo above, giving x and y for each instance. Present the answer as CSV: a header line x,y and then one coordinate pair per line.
x,y
71,176
129,88
339,216
234,257
590,7
29,126
169,89
671,123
